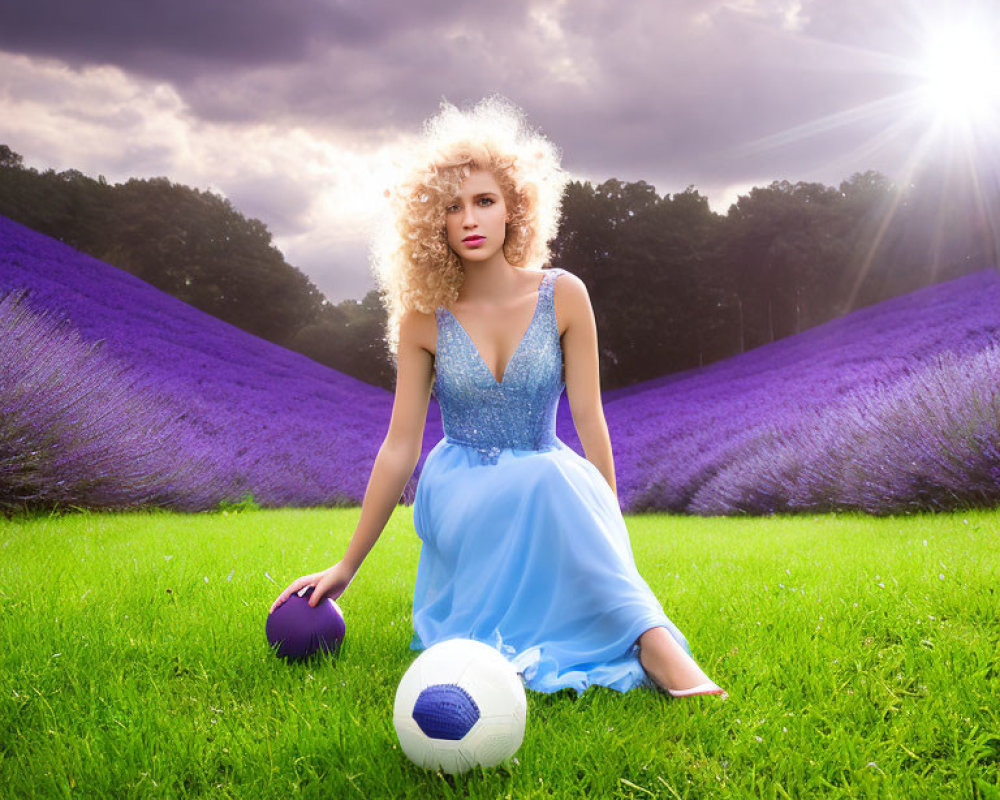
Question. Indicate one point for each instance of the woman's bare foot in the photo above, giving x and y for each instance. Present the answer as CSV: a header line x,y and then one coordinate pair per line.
x,y
668,665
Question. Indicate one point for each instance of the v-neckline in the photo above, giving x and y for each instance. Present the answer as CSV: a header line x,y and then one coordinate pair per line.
x,y
531,323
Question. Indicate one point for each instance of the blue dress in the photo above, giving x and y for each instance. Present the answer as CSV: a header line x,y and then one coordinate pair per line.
x,y
523,544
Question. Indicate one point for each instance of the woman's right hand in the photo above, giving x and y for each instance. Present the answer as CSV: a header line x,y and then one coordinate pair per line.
x,y
330,583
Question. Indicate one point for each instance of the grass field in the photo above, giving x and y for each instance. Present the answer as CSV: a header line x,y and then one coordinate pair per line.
x,y
860,654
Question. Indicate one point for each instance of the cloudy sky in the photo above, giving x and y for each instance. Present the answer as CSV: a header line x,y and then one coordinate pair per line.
x,y
293,109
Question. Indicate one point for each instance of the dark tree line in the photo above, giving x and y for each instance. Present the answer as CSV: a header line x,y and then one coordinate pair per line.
x,y
195,246
674,285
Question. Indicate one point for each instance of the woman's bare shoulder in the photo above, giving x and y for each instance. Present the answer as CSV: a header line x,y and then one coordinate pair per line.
x,y
569,284
420,328
570,298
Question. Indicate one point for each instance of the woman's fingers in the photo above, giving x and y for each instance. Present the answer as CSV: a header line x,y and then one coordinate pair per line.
x,y
318,593
326,586
329,582
278,601
293,588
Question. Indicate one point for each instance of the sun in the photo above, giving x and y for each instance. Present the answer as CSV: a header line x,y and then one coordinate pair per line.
x,y
941,121
946,66
961,76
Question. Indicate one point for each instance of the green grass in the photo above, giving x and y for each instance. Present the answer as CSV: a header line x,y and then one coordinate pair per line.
x,y
860,655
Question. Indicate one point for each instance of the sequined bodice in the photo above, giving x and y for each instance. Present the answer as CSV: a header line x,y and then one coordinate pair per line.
x,y
520,410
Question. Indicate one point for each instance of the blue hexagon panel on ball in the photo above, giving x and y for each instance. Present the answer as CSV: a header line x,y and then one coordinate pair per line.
x,y
461,704
445,711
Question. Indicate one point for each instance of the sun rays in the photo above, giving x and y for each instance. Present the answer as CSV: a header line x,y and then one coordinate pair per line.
x,y
943,117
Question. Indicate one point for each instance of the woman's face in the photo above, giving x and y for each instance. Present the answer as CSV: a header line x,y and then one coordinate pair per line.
x,y
478,211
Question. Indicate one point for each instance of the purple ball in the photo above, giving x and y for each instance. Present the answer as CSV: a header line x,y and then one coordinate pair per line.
x,y
298,630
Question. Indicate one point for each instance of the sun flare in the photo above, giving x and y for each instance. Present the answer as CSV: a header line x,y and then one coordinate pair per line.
x,y
940,126
961,72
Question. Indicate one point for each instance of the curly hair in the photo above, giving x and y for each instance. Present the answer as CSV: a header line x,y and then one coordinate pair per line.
x,y
413,263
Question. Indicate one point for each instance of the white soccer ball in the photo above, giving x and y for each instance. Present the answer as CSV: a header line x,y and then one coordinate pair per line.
x,y
461,704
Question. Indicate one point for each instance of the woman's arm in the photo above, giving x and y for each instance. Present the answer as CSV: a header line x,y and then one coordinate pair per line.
x,y
583,380
394,464
400,451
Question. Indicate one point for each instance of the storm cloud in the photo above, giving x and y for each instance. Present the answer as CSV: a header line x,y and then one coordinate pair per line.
x,y
275,103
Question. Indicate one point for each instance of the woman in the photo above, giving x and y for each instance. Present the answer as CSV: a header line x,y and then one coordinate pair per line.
x,y
523,543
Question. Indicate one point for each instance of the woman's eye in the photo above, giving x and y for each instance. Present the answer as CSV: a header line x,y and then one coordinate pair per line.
x,y
454,206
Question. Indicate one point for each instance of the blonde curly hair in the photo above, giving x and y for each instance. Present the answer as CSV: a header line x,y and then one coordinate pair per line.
x,y
412,262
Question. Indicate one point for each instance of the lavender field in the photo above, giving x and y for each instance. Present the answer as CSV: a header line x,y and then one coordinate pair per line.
x,y
203,412
116,395
890,409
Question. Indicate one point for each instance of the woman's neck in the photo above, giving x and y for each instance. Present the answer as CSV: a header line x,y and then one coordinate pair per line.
x,y
493,280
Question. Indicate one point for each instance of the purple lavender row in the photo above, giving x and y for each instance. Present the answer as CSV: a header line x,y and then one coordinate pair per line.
x,y
823,420
79,429
281,427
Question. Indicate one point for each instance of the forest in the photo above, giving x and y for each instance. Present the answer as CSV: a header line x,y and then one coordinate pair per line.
x,y
674,284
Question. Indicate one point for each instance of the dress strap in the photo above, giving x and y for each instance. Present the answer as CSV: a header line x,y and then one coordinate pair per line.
x,y
547,291
548,284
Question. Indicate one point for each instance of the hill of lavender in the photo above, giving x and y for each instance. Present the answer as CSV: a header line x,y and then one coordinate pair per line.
x,y
155,402
890,409
116,395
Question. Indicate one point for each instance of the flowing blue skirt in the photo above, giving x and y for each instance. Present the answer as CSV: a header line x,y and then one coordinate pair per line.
x,y
531,556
